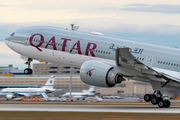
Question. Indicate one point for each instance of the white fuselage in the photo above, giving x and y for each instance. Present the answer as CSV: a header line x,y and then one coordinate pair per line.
x,y
23,91
79,94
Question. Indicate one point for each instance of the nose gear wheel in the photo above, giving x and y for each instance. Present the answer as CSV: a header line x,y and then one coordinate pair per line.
x,y
28,70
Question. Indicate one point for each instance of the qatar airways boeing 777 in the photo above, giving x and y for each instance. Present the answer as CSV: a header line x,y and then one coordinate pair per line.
x,y
104,61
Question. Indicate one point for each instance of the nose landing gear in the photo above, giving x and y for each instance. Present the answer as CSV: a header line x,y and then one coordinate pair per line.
x,y
157,98
28,70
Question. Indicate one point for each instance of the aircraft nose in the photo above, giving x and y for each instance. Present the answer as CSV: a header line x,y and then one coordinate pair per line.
x,y
8,43
10,37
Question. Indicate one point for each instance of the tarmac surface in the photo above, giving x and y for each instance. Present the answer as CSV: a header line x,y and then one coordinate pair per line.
x,y
89,108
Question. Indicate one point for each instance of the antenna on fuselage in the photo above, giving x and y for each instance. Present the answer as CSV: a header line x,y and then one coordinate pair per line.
x,y
74,27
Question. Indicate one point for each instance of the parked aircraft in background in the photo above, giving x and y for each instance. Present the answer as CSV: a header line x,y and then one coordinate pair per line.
x,y
104,61
15,92
84,94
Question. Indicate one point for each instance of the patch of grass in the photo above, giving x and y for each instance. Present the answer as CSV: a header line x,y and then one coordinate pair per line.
x,y
31,115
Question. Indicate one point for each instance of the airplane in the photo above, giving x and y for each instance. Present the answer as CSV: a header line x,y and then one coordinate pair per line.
x,y
103,61
84,94
12,93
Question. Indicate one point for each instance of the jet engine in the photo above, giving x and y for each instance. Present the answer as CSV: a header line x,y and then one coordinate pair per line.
x,y
99,73
9,96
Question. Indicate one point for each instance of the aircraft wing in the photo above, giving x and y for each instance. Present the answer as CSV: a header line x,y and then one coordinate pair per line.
x,y
50,90
23,94
58,89
126,59
15,94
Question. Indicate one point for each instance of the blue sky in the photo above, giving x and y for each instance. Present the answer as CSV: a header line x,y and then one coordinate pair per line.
x,y
155,22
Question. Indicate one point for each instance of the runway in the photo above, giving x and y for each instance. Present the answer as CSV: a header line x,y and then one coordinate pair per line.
x,y
89,108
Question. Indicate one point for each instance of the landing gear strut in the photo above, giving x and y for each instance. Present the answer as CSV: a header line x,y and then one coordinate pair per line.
x,y
28,70
157,98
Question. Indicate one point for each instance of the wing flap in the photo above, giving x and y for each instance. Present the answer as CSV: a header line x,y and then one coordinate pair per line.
x,y
126,59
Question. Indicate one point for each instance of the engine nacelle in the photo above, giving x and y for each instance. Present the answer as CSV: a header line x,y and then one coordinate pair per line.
x,y
9,96
100,74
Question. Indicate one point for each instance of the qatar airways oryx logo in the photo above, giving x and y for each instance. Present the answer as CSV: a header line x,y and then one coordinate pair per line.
x,y
65,41
89,72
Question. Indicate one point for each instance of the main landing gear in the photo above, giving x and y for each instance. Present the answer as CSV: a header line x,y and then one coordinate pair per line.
x,y
28,70
157,98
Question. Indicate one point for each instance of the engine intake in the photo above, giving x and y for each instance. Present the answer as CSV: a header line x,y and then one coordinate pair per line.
x,y
99,73
9,96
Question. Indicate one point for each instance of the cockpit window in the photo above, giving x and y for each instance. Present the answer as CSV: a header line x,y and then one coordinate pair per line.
x,y
12,34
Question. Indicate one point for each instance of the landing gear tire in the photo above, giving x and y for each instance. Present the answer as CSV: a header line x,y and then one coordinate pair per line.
x,y
147,97
154,100
167,103
161,103
28,71
158,98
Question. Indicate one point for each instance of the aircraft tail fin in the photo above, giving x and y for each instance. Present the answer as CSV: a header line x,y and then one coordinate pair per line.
x,y
91,89
50,83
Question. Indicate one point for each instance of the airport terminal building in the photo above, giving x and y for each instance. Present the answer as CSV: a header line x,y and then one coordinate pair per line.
x,y
13,77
